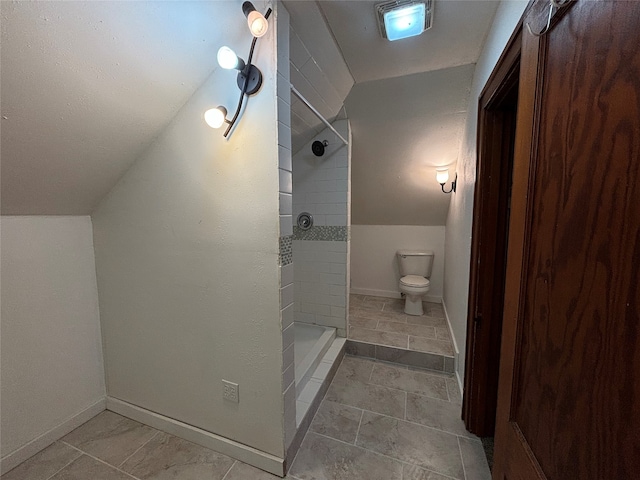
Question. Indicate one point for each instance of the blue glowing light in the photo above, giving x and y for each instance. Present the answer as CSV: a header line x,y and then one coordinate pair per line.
x,y
405,22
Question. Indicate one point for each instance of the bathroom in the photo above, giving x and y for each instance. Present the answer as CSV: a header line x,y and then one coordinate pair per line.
x,y
177,252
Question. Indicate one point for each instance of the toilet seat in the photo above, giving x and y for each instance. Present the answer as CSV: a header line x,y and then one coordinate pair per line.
x,y
414,281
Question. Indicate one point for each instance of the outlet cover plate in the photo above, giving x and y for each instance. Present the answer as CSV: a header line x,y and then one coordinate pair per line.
x,y
230,391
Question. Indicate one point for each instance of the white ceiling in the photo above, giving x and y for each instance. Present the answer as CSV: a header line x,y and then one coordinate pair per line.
x,y
86,86
456,38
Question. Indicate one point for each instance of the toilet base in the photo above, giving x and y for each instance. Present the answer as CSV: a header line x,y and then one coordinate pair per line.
x,y
413,305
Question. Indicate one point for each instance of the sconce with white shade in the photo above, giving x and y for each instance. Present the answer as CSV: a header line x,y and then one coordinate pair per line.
x,y
249,77
442,177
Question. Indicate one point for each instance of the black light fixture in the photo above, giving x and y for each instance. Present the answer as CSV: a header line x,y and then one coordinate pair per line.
x,y
249,77
442,175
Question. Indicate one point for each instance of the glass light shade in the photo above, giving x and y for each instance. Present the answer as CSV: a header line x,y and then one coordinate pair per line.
x,y
405,22
442,176
215,117
258,25
227,58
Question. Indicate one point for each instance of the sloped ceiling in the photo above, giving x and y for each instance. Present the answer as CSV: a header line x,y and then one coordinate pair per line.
x,y
456,38
86,86
403,128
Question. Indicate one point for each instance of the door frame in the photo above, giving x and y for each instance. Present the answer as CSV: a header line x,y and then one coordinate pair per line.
x,y
489,232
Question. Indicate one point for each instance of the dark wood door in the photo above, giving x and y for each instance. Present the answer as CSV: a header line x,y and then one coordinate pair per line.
x,y
569,393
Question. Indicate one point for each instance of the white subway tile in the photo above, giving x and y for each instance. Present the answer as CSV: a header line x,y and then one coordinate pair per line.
x,y
315,76
305,317
286,204
286,295
283,88
286,275
339,220
342,173
329,321
298,53
287,337
284,113
287,357
290,426
288,376
285,181
284,135
310,391
282,24
322,309
286,225
287,316
338,290
338,301
339,312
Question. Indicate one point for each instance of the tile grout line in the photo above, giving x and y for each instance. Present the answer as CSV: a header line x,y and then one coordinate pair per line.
x,y
406,400
101,461
58,471
355,440
230,468
400,419
139,448
402,462
369,382
446,384
464,470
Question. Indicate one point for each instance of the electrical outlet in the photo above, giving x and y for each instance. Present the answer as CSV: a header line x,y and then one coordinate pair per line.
x,y
230,391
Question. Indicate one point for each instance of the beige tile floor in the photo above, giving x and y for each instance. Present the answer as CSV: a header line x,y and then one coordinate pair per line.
x,y
382,321
378,421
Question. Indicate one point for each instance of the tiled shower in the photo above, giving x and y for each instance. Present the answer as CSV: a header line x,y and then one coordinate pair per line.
x,y
321,187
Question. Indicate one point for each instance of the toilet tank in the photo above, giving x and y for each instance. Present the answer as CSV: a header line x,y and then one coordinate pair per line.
x,y
415,263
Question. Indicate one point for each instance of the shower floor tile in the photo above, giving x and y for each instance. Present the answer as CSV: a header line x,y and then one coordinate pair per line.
x,y
351,438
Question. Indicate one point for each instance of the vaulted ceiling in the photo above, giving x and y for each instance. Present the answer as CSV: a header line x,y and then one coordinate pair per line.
x,y
86,86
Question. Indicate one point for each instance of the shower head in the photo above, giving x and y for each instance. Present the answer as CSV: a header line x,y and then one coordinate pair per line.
x,y
317,147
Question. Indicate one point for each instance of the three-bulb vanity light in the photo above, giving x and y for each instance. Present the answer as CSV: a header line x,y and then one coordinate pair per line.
x,y
249,78
442,176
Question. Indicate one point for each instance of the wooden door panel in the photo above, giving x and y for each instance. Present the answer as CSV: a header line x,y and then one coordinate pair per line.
x,y
570,398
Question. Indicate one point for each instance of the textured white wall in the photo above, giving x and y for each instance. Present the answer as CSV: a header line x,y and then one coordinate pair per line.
x,y
459,220
403,128
374,267
187,260
52,366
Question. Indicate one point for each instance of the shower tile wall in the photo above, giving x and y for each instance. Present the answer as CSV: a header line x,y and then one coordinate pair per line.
x,y
321,187
318,71
286,228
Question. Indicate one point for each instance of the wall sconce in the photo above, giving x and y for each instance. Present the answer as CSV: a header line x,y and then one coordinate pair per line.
x,y
442,176
249,77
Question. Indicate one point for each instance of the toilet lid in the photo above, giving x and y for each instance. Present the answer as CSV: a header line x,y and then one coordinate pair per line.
x,y
414,281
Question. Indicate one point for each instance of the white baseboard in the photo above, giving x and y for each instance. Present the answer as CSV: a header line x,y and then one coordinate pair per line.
x,y
15,458
455,347
244,453
389,294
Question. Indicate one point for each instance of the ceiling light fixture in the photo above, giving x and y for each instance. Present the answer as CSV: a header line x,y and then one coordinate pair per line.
x,y
249,77
404,18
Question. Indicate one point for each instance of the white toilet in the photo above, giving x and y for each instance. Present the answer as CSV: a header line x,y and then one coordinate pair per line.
x,y
415,270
